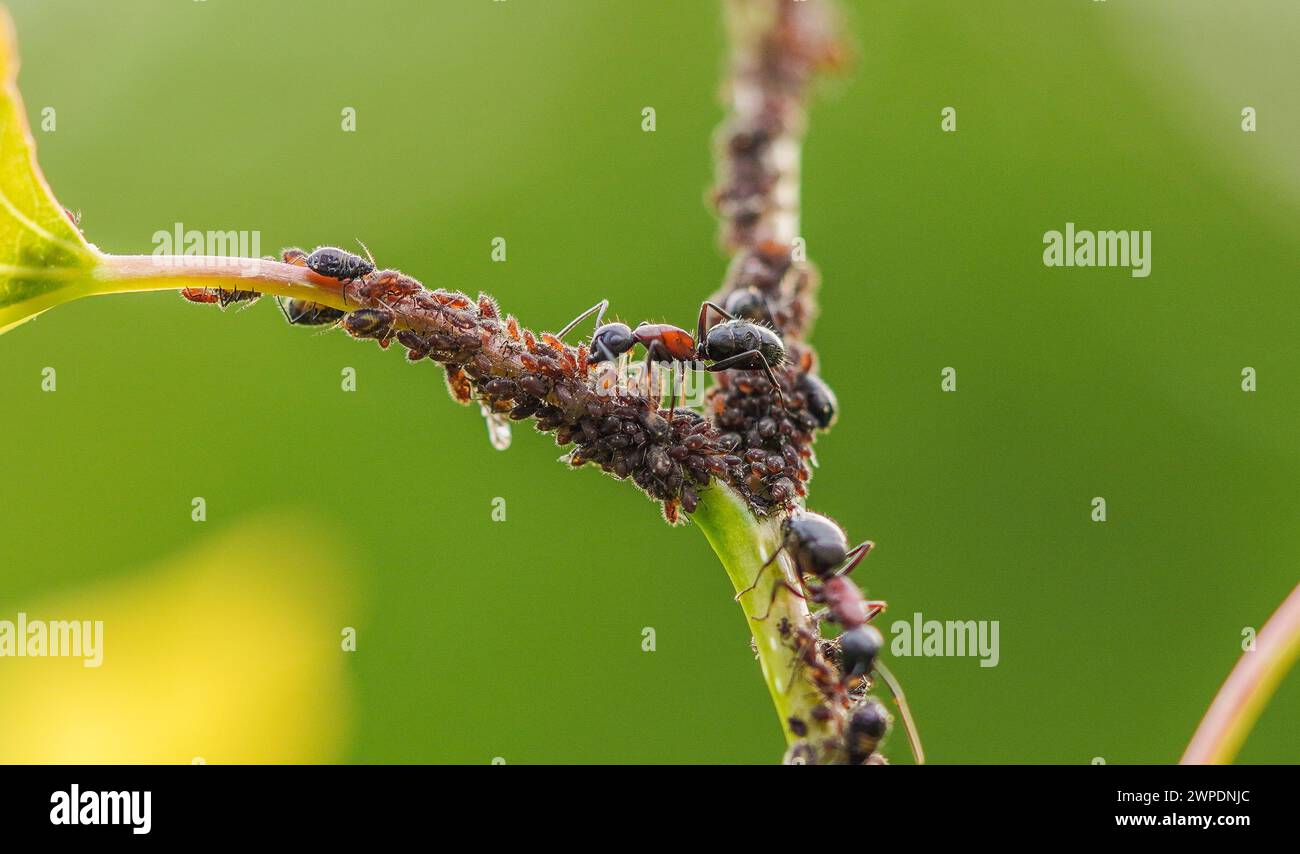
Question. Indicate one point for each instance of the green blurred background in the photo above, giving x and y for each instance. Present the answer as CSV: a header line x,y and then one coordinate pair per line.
x,y
522,639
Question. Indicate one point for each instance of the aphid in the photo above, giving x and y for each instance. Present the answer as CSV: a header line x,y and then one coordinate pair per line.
x,y
303,313
458,385
733,344
332,262
819,400
384,286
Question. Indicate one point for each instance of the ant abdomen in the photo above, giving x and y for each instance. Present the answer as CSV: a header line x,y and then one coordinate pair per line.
x,y
370,323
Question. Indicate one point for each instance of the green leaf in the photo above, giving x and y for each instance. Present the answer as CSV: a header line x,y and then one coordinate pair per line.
x,y
44,260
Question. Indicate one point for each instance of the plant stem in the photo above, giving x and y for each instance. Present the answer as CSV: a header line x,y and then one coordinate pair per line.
x,y
744,543
1248,688
116,274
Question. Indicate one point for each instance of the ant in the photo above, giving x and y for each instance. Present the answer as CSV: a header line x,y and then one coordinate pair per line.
x,y
304,313
218,296
376,323
819,548
733,344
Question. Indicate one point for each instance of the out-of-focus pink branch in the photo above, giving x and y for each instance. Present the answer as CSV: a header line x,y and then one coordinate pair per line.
x,y
1248,689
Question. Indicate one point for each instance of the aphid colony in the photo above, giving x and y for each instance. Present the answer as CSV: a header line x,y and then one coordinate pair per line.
x,y
756,433
514,374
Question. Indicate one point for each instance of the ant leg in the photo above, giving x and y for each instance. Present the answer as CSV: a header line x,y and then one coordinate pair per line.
x,y
280,302
673,383
776,588
746,359
704,316
598,309
653,352
856,555
765,565
913,737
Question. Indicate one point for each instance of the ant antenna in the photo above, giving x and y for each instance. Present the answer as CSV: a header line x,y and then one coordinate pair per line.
x,y
913,737
598,309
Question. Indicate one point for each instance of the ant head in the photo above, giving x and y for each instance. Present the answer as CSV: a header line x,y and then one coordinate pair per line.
x,y
818,544
611,341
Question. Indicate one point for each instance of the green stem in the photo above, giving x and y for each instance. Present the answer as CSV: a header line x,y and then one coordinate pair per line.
x,y
1248,688
744,543
117,274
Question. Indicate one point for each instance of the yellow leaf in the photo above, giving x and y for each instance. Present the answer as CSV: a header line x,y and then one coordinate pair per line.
x,y
229,653
44,260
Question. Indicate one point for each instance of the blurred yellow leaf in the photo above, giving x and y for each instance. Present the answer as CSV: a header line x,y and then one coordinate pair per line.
x,y
229,653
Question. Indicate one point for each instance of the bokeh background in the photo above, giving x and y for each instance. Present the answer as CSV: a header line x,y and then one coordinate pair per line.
x,y
522,639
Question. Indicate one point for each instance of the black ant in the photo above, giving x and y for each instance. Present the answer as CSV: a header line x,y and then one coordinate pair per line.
x,y
733,344
376,323
304,313
819,548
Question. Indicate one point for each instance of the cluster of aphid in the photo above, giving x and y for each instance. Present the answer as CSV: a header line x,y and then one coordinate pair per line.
x,y
514,374
763,415
772,419
760,419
